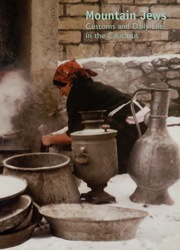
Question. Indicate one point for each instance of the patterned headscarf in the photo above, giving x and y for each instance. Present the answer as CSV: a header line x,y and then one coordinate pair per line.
x,y
67,72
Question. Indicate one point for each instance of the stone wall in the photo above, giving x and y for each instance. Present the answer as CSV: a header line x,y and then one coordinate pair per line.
x,y
132,73
78,41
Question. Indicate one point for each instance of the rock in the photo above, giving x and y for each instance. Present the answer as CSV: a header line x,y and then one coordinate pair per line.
x,y
173,94
174,60
160,62
132,74
175,66
156,75
92,65
172,74
160,69
174,83
133,64
147,67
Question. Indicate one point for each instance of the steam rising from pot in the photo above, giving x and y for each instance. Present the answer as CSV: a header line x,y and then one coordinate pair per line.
x,y
13,91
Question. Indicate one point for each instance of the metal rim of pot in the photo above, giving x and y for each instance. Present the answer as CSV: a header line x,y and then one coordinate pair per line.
x,y
38,168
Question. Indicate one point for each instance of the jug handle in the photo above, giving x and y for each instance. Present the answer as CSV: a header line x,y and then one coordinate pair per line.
x,y
133,110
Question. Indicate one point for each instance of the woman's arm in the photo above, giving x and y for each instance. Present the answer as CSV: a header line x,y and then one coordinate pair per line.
x,y
63,139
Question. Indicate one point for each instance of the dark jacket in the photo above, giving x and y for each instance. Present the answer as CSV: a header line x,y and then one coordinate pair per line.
x,y
89,95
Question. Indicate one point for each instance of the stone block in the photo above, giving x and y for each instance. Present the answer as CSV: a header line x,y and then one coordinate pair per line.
x,y
104,22
107,8
173,94
137,84
172,24
91,1
170,10
152,35
133,63
118,36
69,23
107,49
132,49
154,24
161,69
174,83
61,11
167,1
145,1
174,60
174,35
61,53
117,1
175,66
128,23
147,67
69,36
69,1
80,9
160,61
92,64
159,48
171,74
89,37
82,51
156,75
135,9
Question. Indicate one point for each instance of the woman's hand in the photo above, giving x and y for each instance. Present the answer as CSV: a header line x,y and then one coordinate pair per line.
x,y
63,139
46,140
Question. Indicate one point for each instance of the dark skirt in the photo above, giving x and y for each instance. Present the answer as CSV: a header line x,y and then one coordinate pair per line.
x,y
126,137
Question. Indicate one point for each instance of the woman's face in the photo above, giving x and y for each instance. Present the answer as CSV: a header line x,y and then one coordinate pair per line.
x,y
65,90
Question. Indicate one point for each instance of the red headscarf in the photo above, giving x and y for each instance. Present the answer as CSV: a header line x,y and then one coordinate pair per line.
x,y
67,71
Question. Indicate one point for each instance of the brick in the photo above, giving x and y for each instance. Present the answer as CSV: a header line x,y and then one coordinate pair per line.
x,y
167,1
82,51
69,36
61,12
128,23
107,49
80,9
132,49
66,23
117,1
118,36
88,37
152,35
91,1
145,1
61,52
135,9
153,23
170,10
107,8
172,24
104,22
69,1
174,35
159,48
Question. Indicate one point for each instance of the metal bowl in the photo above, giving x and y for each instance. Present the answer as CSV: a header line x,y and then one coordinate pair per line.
x,y
11,216
92,222
49,177
10,188
18,237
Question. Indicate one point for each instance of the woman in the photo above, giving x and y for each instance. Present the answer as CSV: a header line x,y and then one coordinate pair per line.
x,y
84,94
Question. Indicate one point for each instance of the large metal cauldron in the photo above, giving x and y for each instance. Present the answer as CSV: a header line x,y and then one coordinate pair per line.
x,y
94,153
48,175
154,162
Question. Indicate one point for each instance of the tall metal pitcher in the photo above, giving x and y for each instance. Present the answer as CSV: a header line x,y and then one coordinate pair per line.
x,y
154,162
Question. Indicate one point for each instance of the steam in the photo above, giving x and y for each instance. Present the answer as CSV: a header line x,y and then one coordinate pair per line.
x,y
13,90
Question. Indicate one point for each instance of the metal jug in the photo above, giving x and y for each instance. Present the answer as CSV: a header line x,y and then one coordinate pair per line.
x,y
154,162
